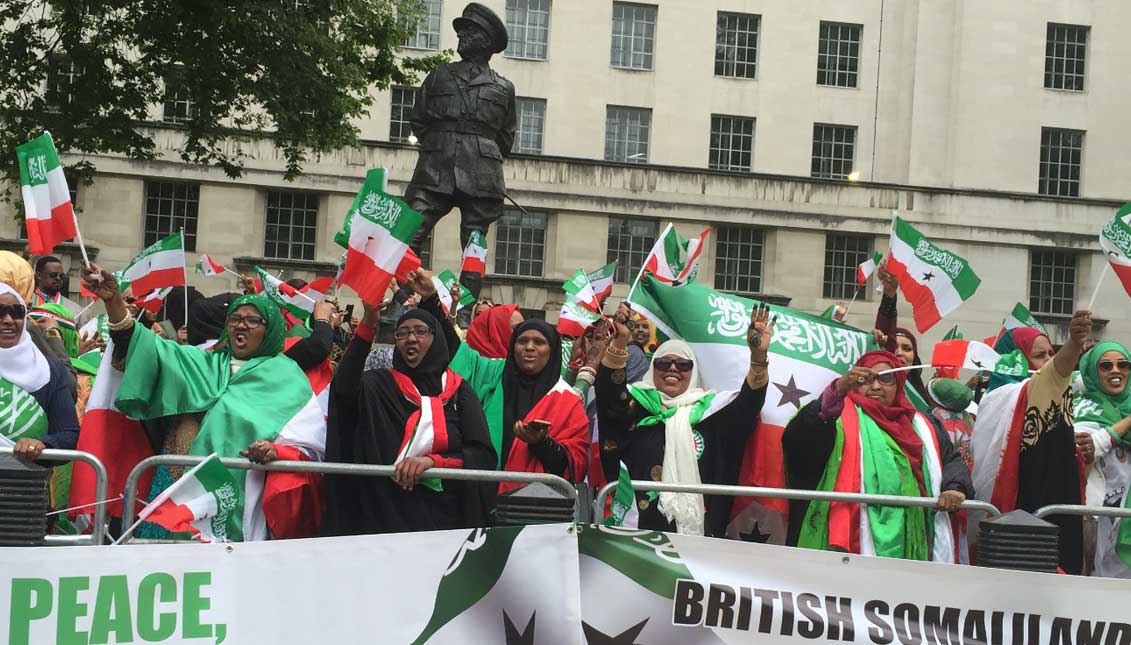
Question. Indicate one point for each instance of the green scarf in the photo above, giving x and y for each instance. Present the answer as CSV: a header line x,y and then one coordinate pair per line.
x,y
276,332
903,533
649,399
21,416
66,325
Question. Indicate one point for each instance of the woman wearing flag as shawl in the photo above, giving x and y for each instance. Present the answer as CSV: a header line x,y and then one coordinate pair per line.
x,y
667,428
417,415
519,390
1103,411
1024,448
36,408
863,436
245,398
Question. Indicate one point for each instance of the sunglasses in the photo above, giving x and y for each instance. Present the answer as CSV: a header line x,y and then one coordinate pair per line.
x,y
55,275
1107,366
681,364
885,379
251,322
17,311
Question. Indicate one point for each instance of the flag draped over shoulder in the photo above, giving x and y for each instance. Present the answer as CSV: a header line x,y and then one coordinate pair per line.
x,y
1115,240
933,280
50,216
161,264
379,228
807,353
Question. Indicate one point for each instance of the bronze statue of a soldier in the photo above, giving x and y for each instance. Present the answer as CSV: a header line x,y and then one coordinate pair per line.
x,y
464,119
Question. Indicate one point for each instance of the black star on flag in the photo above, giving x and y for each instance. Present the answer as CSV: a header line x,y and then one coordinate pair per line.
x,y
756,535
628,637
977,364
515,638
928,276
790,393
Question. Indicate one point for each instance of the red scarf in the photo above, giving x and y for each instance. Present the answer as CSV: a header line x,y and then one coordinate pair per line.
x,y
426,431
490,333
568,426
897,420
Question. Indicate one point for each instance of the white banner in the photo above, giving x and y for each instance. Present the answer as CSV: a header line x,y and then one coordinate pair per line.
x,y
482,586
661,589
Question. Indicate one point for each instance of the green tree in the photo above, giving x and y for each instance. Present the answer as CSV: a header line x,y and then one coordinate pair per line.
x,y
298,72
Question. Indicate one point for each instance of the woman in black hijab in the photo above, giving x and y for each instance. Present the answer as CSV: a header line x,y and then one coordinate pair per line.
x,y
417,415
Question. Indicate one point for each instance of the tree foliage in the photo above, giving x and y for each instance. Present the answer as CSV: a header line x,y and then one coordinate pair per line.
x,y
299,72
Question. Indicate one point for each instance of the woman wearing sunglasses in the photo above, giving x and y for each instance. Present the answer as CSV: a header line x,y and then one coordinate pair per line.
x,y
36,408
863,436
1024,446
667,428
1103,411
242,397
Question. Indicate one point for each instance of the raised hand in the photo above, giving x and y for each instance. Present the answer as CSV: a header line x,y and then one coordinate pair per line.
x,y
889,281
621,320
760,331
100,282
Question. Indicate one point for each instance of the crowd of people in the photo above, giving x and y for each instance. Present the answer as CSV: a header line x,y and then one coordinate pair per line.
x,y
233,374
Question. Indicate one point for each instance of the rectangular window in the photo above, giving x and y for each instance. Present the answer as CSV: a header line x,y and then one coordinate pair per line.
x,y
738,258
627,132
528,28
169,207
634,35
1061,153
1065,48
427,34
292,219
838,54
531,121
400,129
732,143
630,240
179,107
62,75
843,254
834,150
1052,282
736,44
520,244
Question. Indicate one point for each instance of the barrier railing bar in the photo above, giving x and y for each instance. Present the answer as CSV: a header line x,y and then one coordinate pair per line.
x,y
1079,509
329,468
101,481
786,493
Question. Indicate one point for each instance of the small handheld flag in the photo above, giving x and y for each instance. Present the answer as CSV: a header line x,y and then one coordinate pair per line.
x,y
933,280
50,216
580,289
475,255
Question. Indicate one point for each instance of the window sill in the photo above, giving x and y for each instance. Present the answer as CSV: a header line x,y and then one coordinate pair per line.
x,y
532,59
248,263
736,78
18,245
633,69
839,87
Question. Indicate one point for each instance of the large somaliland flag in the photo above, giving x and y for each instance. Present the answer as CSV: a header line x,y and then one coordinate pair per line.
x,y
48,211
161,264
807,353
380,229
933,280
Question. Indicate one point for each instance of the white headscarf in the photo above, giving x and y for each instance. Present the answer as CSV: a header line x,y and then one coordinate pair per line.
x,y
681,464
23,365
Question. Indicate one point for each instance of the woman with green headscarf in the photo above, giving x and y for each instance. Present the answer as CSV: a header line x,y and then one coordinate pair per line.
x,y
51,315
243,398
1103,410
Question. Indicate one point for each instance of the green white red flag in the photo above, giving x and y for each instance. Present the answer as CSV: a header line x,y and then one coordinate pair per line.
x,y
285,296
867,268
933,280
573,319
154,300
318,288
207,266
1019,317
1115,240
602,281
581,290
202,502
380,228
161,264
444,282
974,355
673,259
48,211
807,353
475,254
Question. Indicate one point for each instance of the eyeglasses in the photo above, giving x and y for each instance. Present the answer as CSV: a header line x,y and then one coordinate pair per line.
x,y
419,332
681,364
251,322
54,275
886,379
1107,366
17,311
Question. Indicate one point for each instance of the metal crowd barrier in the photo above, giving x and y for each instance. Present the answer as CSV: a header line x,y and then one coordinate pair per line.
x,y
786,493
98,522
1079,509
327,468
